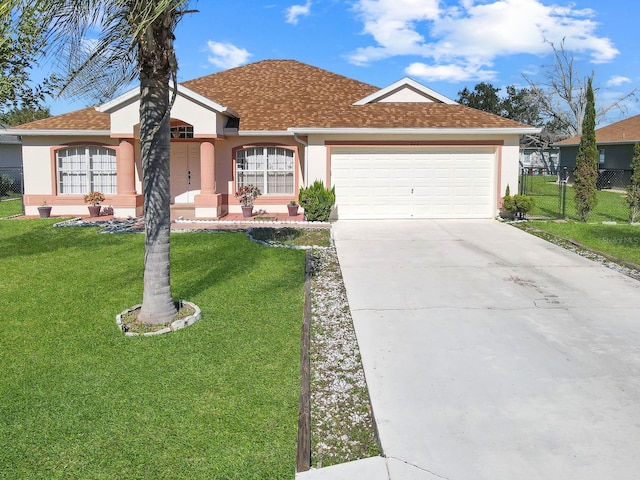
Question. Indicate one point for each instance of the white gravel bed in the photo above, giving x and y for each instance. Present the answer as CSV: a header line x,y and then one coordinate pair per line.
x,y
342,427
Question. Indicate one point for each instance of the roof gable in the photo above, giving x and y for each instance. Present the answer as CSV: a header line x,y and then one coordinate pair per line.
x,y
134,95
406,90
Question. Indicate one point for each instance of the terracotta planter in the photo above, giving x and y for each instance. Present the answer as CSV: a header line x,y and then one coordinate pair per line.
x,y
94,210
247,212
45,212
293,210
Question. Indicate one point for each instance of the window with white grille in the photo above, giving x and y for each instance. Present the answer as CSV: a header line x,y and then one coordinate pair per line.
x,y
87,168
269,168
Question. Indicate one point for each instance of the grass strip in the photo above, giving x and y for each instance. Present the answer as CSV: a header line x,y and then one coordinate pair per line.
x,y
620,241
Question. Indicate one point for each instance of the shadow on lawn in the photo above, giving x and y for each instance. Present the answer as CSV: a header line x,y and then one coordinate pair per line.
x,y
22,237
200,260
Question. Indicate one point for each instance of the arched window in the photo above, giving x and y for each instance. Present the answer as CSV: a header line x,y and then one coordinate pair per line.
x,y
269,168
86,168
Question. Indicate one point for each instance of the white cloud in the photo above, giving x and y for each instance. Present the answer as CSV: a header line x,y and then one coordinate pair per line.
x,y
617,80
296,11
450,72
472,34
226,55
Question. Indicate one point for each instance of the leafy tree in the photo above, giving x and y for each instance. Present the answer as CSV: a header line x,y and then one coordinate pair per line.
x,y
22,44
135,41
18,116
518,105
633,189
586,171
483,97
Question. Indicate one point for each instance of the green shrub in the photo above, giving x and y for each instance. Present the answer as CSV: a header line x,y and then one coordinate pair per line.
x,y
518,205
523,205
508,205
317,201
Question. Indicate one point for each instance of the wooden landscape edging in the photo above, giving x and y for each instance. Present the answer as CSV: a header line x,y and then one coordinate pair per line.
x,y
303,457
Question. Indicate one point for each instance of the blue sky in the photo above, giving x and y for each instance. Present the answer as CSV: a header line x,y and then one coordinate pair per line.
x,y
446,45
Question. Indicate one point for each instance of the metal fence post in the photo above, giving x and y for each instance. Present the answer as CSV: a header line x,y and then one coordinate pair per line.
x,y
563,183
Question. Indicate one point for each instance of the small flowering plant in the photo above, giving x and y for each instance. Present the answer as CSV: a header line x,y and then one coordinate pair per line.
x,y
94,198
247,195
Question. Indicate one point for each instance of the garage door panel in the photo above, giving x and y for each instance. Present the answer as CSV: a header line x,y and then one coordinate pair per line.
x,y
422,183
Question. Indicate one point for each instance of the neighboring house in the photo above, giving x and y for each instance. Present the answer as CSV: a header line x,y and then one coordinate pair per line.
x,y
538,161
10,154
403,151
615,145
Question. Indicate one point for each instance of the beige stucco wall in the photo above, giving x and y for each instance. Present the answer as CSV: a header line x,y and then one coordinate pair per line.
x,y
40,170
39,166
224,166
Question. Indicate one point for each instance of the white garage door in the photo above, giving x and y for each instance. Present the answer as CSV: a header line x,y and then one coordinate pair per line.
x,y
414,183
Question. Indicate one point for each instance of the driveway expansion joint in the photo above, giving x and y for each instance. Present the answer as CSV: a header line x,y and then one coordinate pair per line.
x,y
418,467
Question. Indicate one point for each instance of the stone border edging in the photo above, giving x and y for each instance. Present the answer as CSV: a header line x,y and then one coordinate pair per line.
x,y
175,325
268,243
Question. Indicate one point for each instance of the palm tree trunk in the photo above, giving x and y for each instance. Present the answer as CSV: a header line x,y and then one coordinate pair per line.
x,y
155,137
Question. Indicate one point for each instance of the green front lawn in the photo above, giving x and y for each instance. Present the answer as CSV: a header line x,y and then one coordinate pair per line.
x,y
217,400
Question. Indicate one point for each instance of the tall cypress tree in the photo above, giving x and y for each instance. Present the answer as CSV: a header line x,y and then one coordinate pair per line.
x,y
586,172
633,189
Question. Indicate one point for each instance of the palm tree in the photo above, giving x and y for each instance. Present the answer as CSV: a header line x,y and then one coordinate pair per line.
x,y
135,41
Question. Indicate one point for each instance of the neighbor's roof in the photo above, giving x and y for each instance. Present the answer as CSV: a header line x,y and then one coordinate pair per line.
x,y
275,95
624,131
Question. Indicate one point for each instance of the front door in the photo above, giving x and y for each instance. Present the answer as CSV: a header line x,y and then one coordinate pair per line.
x,y
185,172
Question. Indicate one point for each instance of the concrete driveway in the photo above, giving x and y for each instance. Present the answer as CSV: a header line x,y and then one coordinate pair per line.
x,y
492,354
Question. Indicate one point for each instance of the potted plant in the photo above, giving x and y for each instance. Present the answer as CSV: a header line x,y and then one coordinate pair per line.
x,y
246,195
44,210
94,198
293,208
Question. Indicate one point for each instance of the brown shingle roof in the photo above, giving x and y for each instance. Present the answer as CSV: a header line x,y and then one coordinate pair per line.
x,y
414,115
85,119
279,94
624,131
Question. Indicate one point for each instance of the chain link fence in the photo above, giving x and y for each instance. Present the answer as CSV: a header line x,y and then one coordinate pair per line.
x,y
545,185
10,181
11,191
613,179
554,196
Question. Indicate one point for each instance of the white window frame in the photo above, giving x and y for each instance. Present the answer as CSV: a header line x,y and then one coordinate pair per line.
x,y
263,157
81,169
601,156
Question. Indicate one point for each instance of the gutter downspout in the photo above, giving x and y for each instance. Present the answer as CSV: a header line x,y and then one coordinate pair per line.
x,y
306,157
